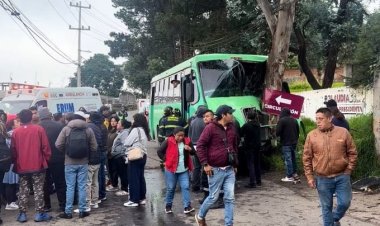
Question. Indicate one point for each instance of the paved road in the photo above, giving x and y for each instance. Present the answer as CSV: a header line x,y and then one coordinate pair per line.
x,y
275,203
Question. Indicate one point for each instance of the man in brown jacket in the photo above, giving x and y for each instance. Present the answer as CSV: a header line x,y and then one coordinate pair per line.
x,y
329,158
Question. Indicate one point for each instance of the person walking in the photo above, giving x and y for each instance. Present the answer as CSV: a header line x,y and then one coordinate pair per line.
x,y
252,144
55,174
175,152
216,144
288,131
138,137
329,158
76,140
31,153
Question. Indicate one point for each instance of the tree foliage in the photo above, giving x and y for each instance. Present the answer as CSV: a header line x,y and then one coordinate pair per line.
x,y
366,60
101,73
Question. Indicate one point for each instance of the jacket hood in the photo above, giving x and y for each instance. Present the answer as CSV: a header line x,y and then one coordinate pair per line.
x,y
77,123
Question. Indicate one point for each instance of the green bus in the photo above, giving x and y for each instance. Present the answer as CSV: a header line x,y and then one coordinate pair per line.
x,y
210,80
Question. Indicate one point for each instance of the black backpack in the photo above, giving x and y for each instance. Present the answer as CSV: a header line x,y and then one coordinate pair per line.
x,y
5,156
76,143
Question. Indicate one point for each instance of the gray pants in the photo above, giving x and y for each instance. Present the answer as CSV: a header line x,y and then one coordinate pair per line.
x,y
92,185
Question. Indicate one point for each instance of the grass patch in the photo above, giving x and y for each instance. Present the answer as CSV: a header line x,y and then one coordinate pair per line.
x,y
300,86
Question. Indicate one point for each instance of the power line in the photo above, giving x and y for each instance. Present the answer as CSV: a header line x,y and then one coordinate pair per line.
x,y
34,32
103,21
107,17
55,9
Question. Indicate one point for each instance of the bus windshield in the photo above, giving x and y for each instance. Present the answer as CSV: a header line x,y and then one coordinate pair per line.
x,y
14,107
224,78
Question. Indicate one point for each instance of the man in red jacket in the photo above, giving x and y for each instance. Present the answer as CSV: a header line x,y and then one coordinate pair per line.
x,y
216,141
31,153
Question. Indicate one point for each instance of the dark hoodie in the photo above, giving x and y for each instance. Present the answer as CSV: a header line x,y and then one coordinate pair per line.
x,y
197,125
287,128
339,119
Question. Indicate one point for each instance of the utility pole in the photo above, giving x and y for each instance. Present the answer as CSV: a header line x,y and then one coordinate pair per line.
x,y
79,28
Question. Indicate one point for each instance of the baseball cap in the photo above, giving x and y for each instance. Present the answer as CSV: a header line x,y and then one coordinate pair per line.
x,y
331,103
82,114
224,109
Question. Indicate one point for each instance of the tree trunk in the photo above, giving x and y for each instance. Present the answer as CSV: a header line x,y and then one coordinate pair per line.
x,y
280,41
302,60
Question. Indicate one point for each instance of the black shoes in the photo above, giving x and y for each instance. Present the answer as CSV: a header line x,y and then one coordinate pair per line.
x,y
65,215
84,214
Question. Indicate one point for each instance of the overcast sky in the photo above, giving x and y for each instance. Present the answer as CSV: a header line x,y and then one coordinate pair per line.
x,y
24,61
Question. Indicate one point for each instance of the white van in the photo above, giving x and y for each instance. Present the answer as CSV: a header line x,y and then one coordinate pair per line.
x,y
62,100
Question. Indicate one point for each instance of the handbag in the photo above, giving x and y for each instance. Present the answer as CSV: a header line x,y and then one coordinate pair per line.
x,y
232,156
136,152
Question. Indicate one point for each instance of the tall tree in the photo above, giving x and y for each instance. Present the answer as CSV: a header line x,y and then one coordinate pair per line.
x,y
280,24
366,60
326,31
101,73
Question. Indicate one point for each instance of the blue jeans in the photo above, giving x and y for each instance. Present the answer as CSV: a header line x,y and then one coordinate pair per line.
x,y
341,186
76,174
171,182
222,179
102,175
289,153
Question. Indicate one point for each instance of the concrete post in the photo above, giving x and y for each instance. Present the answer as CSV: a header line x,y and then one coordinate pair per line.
x,y
376,112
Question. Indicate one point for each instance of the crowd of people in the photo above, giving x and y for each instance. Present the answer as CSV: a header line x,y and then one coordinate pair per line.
x,y
67,154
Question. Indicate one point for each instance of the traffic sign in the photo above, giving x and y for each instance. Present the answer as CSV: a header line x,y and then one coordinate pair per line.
x,y
275,100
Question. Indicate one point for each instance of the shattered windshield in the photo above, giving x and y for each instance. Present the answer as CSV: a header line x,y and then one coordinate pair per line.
x,y
224,78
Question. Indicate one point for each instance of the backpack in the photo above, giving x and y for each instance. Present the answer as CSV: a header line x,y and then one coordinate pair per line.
x,y
5,157
76,143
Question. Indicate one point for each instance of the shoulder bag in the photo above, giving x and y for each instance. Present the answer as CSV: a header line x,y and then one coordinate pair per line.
x,y
136,152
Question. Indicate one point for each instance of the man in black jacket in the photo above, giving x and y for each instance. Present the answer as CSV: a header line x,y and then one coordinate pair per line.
x,y
288,131
56,171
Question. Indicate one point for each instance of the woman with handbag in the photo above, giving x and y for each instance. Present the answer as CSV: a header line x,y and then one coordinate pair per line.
x,y
136,144
176,151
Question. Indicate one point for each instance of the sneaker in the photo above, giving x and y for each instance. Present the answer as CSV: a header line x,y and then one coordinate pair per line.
x,y
287,179
84,214
111,188
168,209
39,217
336,223
47,209
102,199
11,206
22,217
200,221
95,206
188,209
131,204
121,193
142,202
65,215
88,209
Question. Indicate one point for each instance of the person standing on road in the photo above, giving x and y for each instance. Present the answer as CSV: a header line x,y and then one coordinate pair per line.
x,y
76,160
196,127
176,151
329,158
288,131
252,144
138,137
217,141
55,174
113,176
31,153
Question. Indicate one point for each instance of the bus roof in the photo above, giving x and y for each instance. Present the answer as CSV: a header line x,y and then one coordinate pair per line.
x,y
209,57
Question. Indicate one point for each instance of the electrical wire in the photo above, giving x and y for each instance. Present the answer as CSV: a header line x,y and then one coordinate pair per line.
x,y
106,17
102,21
34,32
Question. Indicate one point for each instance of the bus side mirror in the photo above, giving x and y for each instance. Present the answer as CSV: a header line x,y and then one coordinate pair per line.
x,y
189,90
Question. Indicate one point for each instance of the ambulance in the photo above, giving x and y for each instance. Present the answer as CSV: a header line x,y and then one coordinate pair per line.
x,y
63,100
